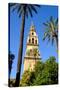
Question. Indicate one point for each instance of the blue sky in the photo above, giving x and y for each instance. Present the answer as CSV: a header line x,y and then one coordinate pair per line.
x,y
46,49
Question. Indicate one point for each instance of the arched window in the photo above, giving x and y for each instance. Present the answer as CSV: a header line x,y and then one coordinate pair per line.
x,y
29,40
32,33
33,40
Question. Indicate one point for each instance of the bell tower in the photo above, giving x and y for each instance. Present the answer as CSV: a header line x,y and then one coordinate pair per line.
x,y
32,54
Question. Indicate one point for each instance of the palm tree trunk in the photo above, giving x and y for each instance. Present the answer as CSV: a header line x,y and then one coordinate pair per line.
x,y
9,81
19,64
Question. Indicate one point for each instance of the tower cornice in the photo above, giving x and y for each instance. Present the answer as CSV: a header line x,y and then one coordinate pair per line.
x,y
33,44
32,58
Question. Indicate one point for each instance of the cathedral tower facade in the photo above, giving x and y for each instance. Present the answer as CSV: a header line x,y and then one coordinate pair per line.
x,y
32,54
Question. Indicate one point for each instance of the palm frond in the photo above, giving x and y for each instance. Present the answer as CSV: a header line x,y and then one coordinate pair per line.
x,y
26,13
18,9
37,5
51,19
46,24
48,39
45,35
44,38
12,4
33,8
56,21
27,8
30,11
20,12
51,29
52,40
14,8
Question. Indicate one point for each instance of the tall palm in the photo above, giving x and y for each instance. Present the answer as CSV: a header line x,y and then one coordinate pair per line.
x,y
51,30
23,10
10,62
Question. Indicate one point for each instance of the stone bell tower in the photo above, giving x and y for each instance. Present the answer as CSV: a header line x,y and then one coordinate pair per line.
x,y
32,54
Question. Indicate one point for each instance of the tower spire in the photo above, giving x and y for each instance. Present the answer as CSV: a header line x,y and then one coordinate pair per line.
x,y
32,26
32,23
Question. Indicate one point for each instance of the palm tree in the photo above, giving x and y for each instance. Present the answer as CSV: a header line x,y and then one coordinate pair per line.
x,y
51,30
23,10
10,62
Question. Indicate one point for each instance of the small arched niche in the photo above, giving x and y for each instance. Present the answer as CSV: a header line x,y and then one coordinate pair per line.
x,y
35,41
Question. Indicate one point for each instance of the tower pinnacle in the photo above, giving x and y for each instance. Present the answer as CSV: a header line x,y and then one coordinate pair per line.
x,y
32,26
